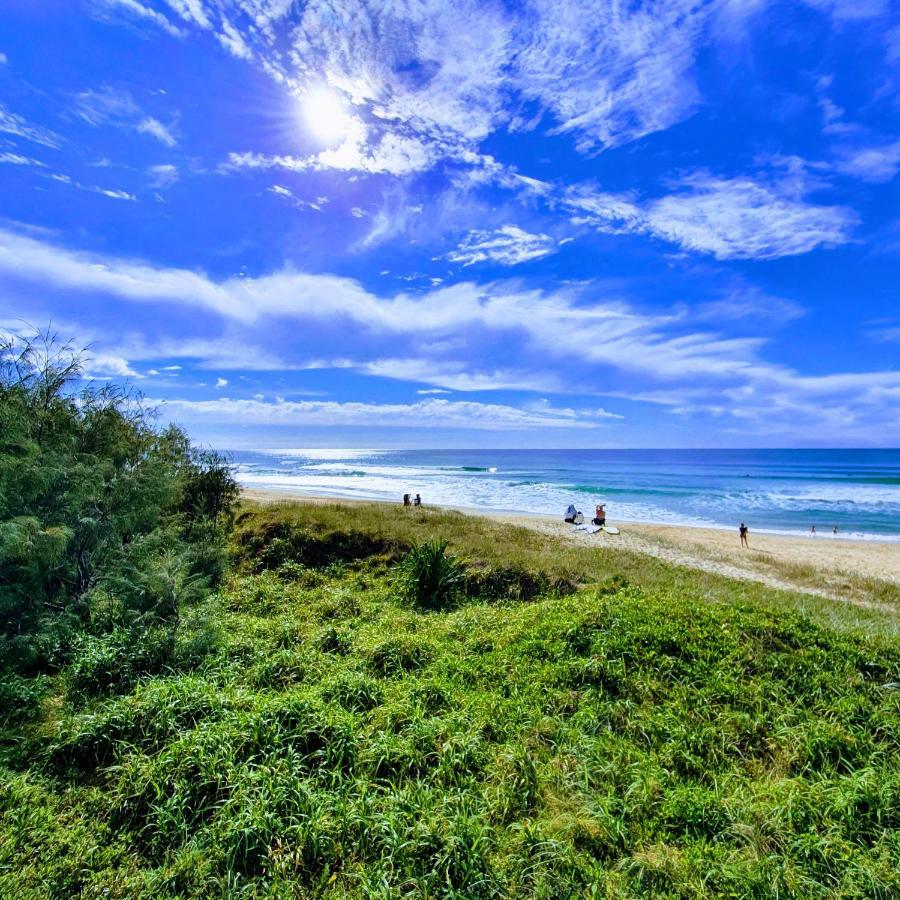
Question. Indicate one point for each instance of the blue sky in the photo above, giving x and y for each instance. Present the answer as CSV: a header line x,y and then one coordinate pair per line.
x,y
673,223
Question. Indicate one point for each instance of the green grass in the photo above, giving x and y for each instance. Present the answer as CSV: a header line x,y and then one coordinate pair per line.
x,y
579,723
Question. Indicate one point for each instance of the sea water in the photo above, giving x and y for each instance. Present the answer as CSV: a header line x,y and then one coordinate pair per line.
x,y
856,491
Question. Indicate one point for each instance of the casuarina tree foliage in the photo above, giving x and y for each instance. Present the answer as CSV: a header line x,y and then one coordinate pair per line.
x,y
108,523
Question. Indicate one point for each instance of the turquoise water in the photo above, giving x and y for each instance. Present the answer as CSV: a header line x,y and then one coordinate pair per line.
x,y
858,491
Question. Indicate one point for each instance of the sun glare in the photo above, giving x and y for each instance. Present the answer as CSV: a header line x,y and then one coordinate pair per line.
x,y
327,116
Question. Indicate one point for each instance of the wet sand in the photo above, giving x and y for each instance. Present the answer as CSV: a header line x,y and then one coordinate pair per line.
x,y
822,564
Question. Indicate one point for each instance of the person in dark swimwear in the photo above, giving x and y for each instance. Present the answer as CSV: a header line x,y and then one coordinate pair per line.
x,y
417,501
600,515
406,500
743,530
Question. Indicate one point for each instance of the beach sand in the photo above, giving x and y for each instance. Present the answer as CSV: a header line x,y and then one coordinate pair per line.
x,y
821,565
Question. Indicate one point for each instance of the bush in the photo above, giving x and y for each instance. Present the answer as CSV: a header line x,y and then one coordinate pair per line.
x,y
106,520
114,662
429,578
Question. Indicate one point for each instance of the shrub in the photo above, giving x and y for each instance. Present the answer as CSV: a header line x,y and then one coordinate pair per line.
x,y
106,520
115,661
429,578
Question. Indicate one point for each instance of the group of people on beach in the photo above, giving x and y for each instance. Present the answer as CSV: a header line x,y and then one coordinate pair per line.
x,y
416,501
576,517
744,531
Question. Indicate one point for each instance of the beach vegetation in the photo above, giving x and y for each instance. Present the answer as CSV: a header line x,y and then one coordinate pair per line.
x,y
429,577
110,527
310,731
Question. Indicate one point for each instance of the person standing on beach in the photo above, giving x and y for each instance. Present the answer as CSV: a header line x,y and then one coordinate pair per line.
x,y
743,530
812,531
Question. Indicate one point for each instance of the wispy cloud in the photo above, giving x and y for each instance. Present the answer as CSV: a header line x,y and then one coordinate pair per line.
x,y
156,129
163,176
747,217
141,13
105,104
16,125
392,154
507,246
116,106
877,162
545,331
16,159
192,11
431,413
113,194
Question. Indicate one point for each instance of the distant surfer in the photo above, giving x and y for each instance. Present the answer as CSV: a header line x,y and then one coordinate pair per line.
x,y
834,531
744,530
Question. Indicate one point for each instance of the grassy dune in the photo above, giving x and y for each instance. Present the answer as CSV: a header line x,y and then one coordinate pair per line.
x,y
577,723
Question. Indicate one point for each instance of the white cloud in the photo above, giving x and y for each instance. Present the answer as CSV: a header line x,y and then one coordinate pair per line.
x,y
877,163
557,323
143,13
100,365
432,413
93,188
850,9
105,104
392,155
16,159
13,124
745,303
113,195
156,129
542,331
191,11
746,217
4,59
506,246
610,73
740,218
358,212
163,176
221,382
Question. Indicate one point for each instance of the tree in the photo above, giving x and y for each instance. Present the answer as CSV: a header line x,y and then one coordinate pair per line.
x,y
106,520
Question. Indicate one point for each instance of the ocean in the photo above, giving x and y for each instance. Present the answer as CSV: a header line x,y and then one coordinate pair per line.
x,y
778,491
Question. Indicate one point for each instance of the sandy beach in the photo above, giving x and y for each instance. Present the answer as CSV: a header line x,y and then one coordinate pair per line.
x,y
821,564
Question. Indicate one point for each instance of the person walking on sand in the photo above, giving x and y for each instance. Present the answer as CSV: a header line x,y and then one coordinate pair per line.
x,y
812,531
743,530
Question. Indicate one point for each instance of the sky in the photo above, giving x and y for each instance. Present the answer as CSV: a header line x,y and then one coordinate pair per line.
x,y
417,223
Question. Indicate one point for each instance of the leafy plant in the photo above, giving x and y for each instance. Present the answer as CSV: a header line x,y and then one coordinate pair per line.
x,y
429,577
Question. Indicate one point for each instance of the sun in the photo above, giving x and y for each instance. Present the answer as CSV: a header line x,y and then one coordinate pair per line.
x,y
327,116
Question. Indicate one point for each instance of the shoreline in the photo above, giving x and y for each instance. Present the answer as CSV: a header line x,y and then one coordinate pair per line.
x,y
851,537
817,564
